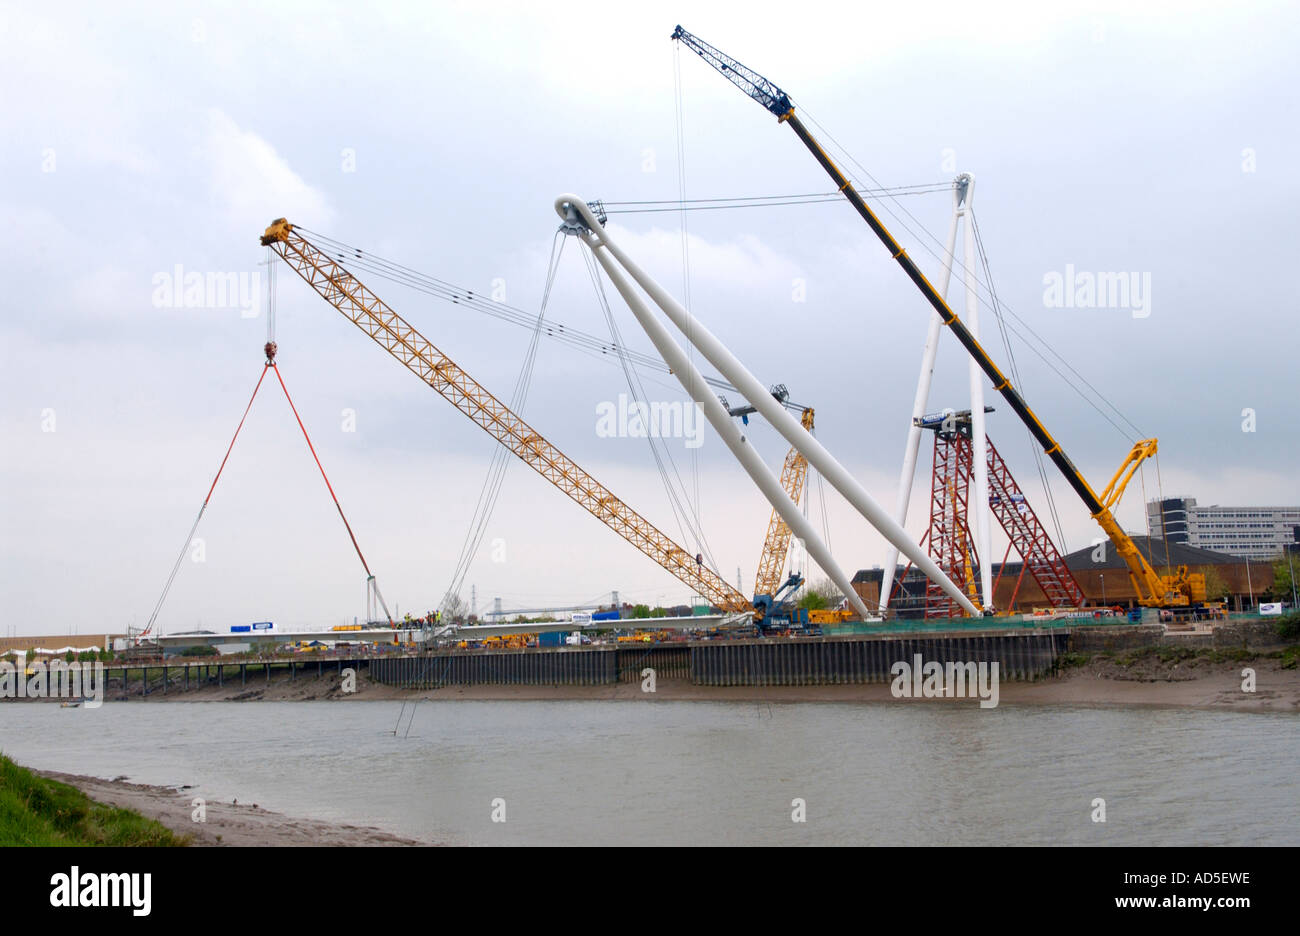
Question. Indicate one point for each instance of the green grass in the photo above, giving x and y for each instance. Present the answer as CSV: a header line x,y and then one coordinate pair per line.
x,y
1071,659
37,811
1290,657
1287,657
1165,653
1288,627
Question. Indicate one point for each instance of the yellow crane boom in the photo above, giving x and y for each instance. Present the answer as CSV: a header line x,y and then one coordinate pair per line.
x,y
368,312
1152,589
1178,588
771,563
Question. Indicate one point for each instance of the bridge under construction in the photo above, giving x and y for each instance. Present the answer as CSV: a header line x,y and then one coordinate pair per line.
x,y
971,485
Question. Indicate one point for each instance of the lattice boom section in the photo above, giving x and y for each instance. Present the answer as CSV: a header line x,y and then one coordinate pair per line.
x,y
777,543
347,294
1029,537
949,536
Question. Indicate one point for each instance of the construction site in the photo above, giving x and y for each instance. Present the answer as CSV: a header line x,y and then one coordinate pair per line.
x,y
519,425
947,580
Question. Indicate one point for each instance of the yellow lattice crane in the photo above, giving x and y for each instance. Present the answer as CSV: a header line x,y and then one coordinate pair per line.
x,y
794,474
772,591
368,312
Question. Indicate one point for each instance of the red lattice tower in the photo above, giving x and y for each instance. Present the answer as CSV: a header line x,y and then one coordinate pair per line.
x,y
950,541
949,536
1029,538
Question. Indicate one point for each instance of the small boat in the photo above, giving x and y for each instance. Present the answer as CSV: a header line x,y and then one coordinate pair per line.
x,y
74,703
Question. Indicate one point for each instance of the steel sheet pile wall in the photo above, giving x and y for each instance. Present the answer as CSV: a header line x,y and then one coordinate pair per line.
x,y
667,662
762,662
814,662
511,668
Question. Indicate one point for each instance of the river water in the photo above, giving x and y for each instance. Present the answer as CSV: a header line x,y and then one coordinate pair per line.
x,y
595,772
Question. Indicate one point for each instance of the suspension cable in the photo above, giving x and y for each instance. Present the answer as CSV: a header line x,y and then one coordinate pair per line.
x,y
762,201
190,538
696,505
490,492
916,226
592,345
1036,449
687,520
355,545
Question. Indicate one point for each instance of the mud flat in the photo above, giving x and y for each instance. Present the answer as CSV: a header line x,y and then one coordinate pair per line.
x,y
226,823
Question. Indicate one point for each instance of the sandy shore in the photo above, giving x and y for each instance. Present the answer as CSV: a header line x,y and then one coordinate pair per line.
x,y
1193,683
226,823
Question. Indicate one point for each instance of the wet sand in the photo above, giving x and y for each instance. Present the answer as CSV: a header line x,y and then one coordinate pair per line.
x,y
226,823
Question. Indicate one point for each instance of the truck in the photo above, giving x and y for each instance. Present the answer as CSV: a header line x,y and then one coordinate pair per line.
x,y
258,626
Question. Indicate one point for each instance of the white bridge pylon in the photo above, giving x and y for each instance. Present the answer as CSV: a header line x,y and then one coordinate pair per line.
x,y
963,193
580,220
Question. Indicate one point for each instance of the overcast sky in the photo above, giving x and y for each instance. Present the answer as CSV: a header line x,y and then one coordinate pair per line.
x,y
140,139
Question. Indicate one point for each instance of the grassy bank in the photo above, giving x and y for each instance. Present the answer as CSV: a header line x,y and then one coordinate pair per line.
x,y
37,811
1171,655
1167,655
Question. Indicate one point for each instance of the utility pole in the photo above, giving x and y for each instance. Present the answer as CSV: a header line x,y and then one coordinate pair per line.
x,y
1290,562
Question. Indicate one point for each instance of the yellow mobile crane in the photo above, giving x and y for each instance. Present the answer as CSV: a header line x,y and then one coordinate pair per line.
x,y
369,313
1153,590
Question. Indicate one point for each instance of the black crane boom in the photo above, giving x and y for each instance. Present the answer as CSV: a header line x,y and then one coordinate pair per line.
x,y
1152,589
778,103
746,79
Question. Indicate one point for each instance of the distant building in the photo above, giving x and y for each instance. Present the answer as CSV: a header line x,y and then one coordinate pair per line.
x,y
1259,534
52,641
